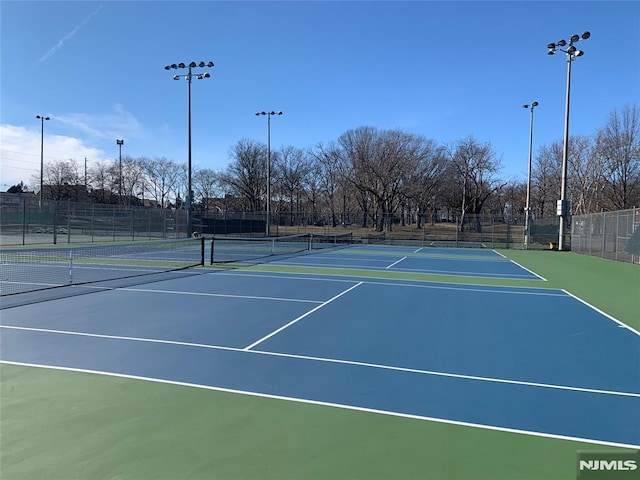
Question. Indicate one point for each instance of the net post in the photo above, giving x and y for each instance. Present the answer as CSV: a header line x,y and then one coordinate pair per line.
x,y
70,266
202,251
212,244
310,242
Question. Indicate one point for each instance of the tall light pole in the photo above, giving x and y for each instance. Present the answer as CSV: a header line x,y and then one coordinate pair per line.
x,y
42,119
120,143
268,114
189,75
527,208
572,53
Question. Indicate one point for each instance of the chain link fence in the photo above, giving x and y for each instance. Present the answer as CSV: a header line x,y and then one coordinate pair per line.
x,y
23,221
612,235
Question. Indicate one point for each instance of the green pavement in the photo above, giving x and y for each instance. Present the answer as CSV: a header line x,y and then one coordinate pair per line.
x,y
79,426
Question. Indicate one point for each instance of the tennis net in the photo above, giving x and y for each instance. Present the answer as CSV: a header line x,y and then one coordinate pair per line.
x,y
229,249
330,240
24,270
226,249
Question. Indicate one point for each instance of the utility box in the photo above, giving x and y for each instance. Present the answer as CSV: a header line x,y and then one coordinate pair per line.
x,y
562,208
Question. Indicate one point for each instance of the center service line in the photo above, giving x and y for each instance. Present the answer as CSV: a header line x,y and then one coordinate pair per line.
x,y
301,317
396,262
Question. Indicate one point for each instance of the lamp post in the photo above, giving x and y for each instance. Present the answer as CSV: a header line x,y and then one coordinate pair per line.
x,y
572,53
527,208
42,119
268,114
188,76
120,143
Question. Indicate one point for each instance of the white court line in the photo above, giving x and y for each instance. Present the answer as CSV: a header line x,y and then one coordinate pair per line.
x,y
330,360
416,251
330,404
454,273
613,319
223,295
530,271
495,251
396,262
500,289
295,320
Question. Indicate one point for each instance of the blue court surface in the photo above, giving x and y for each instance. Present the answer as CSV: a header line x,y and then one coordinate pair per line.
x,y
533,360
439,261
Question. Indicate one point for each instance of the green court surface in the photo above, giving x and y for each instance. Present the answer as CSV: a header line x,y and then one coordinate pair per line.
x,y
72,425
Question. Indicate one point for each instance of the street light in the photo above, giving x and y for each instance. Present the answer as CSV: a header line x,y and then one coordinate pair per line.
x,y
527,208
120,143
42,119
188,78
572,53
268,114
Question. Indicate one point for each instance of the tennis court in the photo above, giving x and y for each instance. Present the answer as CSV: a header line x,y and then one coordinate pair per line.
x,y
523,358
441,261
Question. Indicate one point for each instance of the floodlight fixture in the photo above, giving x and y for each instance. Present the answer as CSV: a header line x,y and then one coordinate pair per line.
x,y
42,119
268,213
120,143
188,77
572,53
527,209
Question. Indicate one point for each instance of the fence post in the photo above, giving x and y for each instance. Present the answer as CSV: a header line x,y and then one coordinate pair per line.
x,y
93,221
55,223
68,220
133,223
24,219
617,233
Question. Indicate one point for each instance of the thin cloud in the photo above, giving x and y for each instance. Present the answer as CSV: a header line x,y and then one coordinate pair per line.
x,y
68,36
20,153
104,126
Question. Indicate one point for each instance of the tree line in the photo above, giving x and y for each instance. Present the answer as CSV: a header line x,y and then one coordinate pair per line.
x,y
372,177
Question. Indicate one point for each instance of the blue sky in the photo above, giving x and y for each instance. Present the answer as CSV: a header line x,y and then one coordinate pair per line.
x,y
446,70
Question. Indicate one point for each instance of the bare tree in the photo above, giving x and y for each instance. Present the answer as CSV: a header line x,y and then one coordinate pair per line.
x,y
618,143
161,179
475,168
382,164
62,181
312,189
290,169
509,202
206,187
246,175
545,179
101,177
585,172
133,176
330,169
421,184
